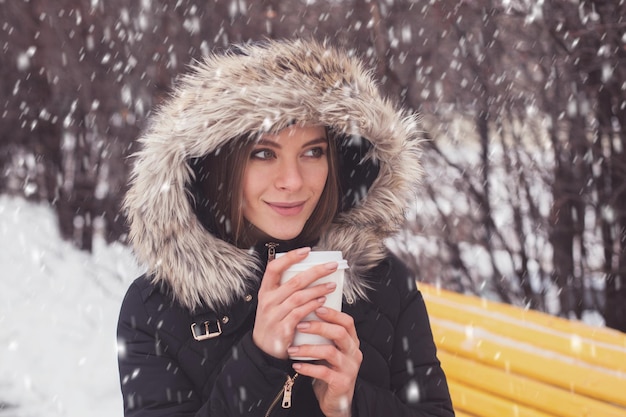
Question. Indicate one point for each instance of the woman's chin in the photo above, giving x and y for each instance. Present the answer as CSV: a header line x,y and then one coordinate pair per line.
x,y
282,235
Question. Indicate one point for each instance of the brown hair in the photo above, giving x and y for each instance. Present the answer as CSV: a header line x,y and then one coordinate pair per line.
x,y
218,193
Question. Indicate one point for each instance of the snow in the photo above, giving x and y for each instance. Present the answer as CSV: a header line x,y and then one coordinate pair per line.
x,y
58,315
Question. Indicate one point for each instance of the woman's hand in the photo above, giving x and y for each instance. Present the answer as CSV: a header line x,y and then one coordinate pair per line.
x,y
282,307
336,373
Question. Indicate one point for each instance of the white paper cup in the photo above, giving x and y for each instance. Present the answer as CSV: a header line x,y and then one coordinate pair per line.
x,y
333,300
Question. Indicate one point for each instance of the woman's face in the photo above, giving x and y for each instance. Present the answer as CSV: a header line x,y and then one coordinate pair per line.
x,y
283,180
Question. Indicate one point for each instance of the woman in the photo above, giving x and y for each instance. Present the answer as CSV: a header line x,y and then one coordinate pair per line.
x,y
274,147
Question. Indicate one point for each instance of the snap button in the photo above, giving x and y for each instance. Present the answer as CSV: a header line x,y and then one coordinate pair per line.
x,y
225,319
349,300
248,298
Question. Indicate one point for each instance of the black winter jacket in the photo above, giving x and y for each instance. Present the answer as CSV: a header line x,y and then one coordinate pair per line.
x,y
185,327
166,372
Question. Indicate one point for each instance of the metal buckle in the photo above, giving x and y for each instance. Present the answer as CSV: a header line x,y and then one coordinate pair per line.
x,y
207,331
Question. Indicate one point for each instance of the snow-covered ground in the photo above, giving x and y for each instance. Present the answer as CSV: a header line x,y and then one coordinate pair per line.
x,y
58,315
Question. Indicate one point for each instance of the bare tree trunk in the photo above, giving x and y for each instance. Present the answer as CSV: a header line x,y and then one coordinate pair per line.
x,y
561,233
612,184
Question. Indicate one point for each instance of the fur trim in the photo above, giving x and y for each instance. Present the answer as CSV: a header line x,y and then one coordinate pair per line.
x,y
263,89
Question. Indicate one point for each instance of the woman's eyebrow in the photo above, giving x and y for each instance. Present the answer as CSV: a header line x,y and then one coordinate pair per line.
x,y
273,144
267,142
321,139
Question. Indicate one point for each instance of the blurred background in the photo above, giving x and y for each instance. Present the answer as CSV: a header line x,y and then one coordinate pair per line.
x,y
523,198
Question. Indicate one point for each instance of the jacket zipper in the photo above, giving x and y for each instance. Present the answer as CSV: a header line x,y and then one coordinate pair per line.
x,y
271,250
287,388
285,392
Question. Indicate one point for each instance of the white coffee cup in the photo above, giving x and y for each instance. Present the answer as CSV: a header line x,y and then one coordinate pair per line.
x,y
333,300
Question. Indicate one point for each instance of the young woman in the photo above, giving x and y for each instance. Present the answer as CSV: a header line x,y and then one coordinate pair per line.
x,y
275,147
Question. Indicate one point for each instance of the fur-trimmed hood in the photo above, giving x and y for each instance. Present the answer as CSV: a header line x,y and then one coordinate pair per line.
x,y
265,87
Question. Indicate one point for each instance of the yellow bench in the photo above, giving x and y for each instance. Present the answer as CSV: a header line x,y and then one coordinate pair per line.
x,y
503,361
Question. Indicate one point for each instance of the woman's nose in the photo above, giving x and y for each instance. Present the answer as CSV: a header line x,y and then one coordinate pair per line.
x,y
289,176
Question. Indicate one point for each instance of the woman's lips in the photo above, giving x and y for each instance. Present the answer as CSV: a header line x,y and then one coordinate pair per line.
x,y
287,209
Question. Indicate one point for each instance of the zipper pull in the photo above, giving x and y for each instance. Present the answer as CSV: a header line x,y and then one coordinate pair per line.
x,y
271,250
287,391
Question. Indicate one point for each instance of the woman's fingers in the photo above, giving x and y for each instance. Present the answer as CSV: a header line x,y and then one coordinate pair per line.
x,y
344,320
335,326
305,278
297,290
275,268
338,366
282,306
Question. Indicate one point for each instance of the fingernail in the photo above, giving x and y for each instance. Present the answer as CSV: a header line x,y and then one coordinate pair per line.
x,y
331,265
303,325
292,350
321,310
303,251
321,300
296,366
331,285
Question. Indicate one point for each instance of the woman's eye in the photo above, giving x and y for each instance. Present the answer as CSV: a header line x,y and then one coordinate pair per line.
x,y
317,152
262,154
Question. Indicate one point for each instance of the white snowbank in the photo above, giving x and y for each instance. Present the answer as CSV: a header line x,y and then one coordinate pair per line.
x,y
58,314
